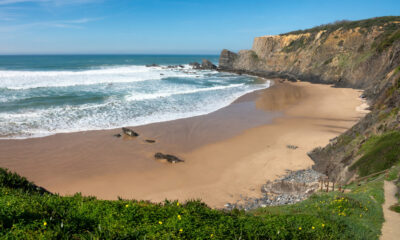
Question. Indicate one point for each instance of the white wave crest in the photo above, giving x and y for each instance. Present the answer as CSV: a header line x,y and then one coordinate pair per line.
x,y
139,97
120,74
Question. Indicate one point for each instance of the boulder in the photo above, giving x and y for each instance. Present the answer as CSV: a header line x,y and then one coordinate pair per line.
x,y
152,65
207,65
130,132
226,59
195,65
150,141
168,157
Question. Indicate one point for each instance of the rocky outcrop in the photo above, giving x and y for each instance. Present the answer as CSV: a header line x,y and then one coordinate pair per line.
x,y
361,54
354,55
205,65
294,187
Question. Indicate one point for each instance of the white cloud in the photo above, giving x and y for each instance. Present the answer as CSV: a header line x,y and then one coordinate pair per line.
x,y
74,24
55,2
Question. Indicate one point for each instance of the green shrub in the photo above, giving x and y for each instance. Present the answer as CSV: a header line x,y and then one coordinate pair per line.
x,y
387,40
32,215
364,25
379,153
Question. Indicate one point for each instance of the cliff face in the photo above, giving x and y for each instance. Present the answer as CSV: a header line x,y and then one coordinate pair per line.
x,y
363,54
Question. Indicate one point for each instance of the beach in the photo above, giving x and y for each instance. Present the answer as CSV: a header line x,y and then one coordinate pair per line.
x,y
228,153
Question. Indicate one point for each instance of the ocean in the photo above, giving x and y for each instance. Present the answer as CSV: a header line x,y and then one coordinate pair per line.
x,y
45,95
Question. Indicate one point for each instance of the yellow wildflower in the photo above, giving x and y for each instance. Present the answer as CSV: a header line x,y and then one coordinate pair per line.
x,y
45,224
181,230
212,235
323,225
313,227
160,222
126,205
177,203
179,217
299,228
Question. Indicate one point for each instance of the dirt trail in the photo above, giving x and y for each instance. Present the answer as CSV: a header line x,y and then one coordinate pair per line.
x,y
391,226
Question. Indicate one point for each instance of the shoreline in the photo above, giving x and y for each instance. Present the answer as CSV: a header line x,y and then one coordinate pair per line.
x,y
228,153
262,79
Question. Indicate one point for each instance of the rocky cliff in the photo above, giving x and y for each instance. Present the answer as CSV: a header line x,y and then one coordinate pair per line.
x,y
360,54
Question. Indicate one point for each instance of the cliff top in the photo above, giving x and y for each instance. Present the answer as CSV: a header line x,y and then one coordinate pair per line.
x,y
387,22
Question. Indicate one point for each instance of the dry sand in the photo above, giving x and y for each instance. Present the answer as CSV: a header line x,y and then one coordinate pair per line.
x,y
228,153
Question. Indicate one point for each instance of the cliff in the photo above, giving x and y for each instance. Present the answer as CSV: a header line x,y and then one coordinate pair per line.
x,y
359,54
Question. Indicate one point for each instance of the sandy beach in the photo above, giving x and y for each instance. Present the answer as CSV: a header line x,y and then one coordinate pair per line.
x,y
228,154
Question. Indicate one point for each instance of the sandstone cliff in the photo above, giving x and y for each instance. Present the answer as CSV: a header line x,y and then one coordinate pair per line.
x,y
361,54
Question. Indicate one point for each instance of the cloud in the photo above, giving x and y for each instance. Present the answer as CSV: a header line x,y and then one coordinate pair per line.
x,y
55,2
73,24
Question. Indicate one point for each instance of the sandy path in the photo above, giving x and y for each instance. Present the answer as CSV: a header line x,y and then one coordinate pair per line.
x,y
391,226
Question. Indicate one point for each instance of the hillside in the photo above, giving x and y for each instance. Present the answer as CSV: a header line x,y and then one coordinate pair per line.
x,y
29,212
361,54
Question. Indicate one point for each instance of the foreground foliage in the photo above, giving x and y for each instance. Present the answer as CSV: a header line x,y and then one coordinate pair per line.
x,y
28,212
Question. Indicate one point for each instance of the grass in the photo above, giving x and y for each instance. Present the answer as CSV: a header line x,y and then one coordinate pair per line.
x,y
379,153
27,212
364,25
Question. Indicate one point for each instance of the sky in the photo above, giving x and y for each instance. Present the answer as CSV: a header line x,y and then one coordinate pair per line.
x,y
164,26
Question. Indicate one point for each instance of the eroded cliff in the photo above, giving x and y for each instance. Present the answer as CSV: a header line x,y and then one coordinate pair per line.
x,y
361,54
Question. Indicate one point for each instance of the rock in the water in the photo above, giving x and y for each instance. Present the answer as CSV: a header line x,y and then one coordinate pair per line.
x,y
206,64
130,132
152,65
169,158
226,59
150,141
118,135
195,65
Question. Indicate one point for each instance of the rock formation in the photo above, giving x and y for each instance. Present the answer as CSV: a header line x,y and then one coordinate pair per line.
x,y
360,54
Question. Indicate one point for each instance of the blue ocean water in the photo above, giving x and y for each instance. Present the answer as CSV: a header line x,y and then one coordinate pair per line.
x,y
44,95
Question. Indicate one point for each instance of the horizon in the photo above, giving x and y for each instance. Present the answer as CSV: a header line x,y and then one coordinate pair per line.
x,y
103,27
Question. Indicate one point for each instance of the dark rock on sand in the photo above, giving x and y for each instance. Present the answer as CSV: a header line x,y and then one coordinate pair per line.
x,y
169,158
130,132
292,147
150,141
118,135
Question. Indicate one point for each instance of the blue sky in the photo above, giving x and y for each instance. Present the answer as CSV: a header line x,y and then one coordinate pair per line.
x,y
164,26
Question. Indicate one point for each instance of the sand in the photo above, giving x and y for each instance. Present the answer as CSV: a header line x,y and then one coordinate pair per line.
x,y
228,154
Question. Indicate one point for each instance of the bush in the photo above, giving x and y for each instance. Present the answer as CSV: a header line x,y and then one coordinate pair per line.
x,y
35,215
379,153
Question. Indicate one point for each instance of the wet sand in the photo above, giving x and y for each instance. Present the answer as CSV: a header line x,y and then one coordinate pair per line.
x,y
228,153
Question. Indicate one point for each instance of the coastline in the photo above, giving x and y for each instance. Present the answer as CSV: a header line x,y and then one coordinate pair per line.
x,y
228,153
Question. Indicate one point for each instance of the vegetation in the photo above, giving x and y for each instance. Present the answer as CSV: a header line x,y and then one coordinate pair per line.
x,y
379,153
364,25
386,40
29,213
297,44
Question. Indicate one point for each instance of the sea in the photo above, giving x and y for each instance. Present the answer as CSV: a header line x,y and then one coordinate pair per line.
x,y
43,95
